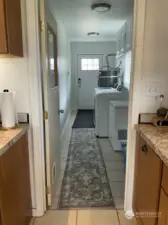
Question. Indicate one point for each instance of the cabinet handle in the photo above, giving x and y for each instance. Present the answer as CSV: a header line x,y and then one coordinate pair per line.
x,y
144,149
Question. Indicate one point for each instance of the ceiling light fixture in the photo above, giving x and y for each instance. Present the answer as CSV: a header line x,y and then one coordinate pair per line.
x,y
101,7
93,34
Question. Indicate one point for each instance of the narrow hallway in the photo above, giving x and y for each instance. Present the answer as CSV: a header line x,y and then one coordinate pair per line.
x,y
109,162
90,216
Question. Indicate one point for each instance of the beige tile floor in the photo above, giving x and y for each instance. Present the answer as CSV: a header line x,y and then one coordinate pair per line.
x,y
114,162
84,217
115,171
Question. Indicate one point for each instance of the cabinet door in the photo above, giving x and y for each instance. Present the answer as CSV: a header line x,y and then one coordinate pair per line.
x,y
14,27
163,209
3,37
147,184
15,186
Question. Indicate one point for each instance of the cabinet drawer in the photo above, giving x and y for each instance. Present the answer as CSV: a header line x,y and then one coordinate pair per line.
x,y
165,179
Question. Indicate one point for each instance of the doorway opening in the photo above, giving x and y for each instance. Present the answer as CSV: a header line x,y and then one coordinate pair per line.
x,y
92,152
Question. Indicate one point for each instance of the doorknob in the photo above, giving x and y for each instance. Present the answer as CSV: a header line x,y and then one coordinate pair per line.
x,y
61,111
144,148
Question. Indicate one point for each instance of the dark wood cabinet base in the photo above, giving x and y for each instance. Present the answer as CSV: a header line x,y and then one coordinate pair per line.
x,y
15,194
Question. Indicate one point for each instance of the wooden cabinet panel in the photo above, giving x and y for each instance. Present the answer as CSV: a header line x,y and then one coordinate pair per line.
x,y
3,37
15,186
165,179
163,209
10,28
14,27
147,183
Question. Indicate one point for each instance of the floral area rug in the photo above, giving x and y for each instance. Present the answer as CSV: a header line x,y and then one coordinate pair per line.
x,y
85,183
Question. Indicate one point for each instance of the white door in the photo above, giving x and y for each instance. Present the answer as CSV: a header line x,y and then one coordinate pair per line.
x,y
50,101
88,71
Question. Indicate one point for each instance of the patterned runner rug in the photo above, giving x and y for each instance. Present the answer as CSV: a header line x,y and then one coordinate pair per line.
x,y
85,182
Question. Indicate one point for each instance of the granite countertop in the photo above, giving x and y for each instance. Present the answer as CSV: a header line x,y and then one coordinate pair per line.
x,y
9,137
156,140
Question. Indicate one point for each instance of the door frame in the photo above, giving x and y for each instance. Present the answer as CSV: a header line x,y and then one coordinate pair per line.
x,y
77,75
43,38
139,15
36,98
36,119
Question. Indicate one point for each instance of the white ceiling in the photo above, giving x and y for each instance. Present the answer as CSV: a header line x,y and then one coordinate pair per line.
x,y
79,19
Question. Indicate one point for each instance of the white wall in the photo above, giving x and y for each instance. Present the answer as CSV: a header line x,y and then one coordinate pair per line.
x,y
14,75
78,48
149,66
14,72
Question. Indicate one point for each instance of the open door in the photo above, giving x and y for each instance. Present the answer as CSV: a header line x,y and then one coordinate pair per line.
x,y
50,101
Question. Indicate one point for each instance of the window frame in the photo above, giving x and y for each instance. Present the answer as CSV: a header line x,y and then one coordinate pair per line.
x,y
90,64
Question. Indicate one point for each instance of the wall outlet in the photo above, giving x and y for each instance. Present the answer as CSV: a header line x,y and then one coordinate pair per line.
x,y
23,117
153,88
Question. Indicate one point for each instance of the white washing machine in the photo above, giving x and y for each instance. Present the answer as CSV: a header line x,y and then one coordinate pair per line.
x,y
101,114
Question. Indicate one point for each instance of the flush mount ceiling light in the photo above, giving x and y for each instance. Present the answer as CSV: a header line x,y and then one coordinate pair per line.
x,y
93,34
101,7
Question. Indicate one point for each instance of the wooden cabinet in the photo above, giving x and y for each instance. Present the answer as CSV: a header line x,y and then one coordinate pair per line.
x,y
15,194
163,209
148,172
10,28
163,206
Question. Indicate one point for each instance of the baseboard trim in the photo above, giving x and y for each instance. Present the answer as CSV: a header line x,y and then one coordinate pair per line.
x,y
129,214
32,221
37,213
65,125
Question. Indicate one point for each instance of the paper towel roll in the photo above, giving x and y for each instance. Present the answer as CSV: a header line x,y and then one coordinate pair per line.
x,y
8,115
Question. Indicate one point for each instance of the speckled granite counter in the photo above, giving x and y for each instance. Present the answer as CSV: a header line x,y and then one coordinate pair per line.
x,y
9,137
157,141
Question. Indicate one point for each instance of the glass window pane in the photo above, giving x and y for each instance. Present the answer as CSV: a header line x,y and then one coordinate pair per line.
x,y
90,64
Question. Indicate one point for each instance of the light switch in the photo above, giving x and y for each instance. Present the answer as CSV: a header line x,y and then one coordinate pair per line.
x,y
153,88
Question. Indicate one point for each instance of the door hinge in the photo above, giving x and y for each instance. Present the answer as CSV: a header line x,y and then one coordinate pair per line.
x,y
48,190
45,115
41,25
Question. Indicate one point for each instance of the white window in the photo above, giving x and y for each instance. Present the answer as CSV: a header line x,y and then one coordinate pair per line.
x,y
89,64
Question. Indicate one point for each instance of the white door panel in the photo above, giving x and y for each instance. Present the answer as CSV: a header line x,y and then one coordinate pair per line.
x,y
88,79
50,104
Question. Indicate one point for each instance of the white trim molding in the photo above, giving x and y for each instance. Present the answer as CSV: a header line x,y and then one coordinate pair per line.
x,y
66,124
129,215
134,99
36,114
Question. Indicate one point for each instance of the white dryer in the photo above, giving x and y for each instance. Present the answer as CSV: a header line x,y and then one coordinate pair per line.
x,y
101,114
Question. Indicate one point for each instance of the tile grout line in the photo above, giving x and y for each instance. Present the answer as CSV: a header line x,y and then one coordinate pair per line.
x,y
118,217
76,217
